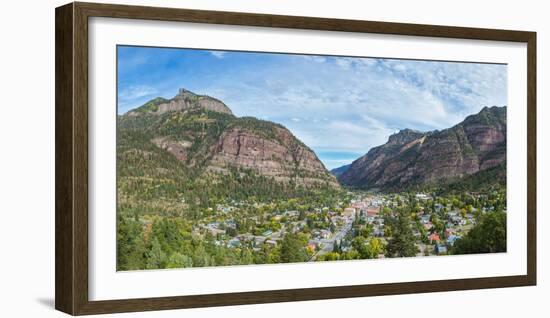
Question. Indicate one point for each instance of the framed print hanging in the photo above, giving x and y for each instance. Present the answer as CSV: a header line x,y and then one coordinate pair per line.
x,y
210,158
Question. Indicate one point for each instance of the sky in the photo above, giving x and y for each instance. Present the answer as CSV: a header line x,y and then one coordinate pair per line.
x,y
339,106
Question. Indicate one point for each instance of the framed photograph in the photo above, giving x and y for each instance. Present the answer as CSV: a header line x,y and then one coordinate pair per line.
x,y
211,158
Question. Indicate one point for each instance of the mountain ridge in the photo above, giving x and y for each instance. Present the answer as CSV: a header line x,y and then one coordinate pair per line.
x,y
183,100
416,158
203,135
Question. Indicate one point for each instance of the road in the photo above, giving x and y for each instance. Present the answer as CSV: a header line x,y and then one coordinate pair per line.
x,y
327,245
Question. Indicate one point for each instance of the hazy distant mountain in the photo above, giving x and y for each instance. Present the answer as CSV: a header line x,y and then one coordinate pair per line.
x,y
411,157
338,171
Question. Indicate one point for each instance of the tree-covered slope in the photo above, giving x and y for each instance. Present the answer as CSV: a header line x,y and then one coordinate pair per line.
x,y
201,155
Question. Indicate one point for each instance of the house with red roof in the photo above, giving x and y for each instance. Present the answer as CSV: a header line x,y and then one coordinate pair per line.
x,y
434,237
373,211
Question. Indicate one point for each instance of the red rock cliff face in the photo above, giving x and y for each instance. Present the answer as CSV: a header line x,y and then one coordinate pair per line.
x,y
409,157
283,158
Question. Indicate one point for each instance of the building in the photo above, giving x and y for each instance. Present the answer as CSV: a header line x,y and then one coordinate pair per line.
x,y
373,211
440,249
259,240
313,244
425,219
358,205
422,196
325,234
449,231
434,238
234,243
292,213
378,232
349,212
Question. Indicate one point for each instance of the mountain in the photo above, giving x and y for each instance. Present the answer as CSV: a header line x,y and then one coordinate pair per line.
x,y
476,145
194,141
338,171
184,100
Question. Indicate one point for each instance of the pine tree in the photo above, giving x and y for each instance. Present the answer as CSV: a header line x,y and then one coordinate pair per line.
x,y
402,244
156,258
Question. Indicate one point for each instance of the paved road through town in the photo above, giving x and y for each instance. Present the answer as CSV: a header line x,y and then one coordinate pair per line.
x,y
327,245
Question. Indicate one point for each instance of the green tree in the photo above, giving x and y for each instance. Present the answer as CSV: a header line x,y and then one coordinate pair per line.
x,y
489,236
332,256
156,258
130,244
232,232
336,248
292,249
246,256
178,260
376,246
402,244
201,257
274,255
359,244
367,249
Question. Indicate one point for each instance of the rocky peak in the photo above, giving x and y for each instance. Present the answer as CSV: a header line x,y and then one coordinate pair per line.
x,y
185,94
404,136
493,109
184,100
492,116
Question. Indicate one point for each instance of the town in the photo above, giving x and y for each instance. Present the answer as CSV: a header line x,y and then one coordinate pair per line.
x,y
356,225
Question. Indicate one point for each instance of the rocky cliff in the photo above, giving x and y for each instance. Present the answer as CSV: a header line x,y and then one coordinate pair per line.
x,y
184,100
282,157
202,133
412,157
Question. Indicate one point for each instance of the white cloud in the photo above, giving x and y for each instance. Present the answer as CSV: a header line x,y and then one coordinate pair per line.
x,y
218,54
353,104
367,61
314,58
343,62
137,91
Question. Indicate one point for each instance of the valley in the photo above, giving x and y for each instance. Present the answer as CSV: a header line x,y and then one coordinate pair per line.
x,y
198,186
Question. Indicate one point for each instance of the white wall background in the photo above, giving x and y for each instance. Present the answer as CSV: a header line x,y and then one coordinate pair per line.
x,y
27,158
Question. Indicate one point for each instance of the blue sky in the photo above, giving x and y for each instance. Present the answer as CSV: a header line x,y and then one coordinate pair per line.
x,y
338,106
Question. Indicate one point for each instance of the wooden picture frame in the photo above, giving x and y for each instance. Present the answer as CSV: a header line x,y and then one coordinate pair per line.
x,y
71,122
